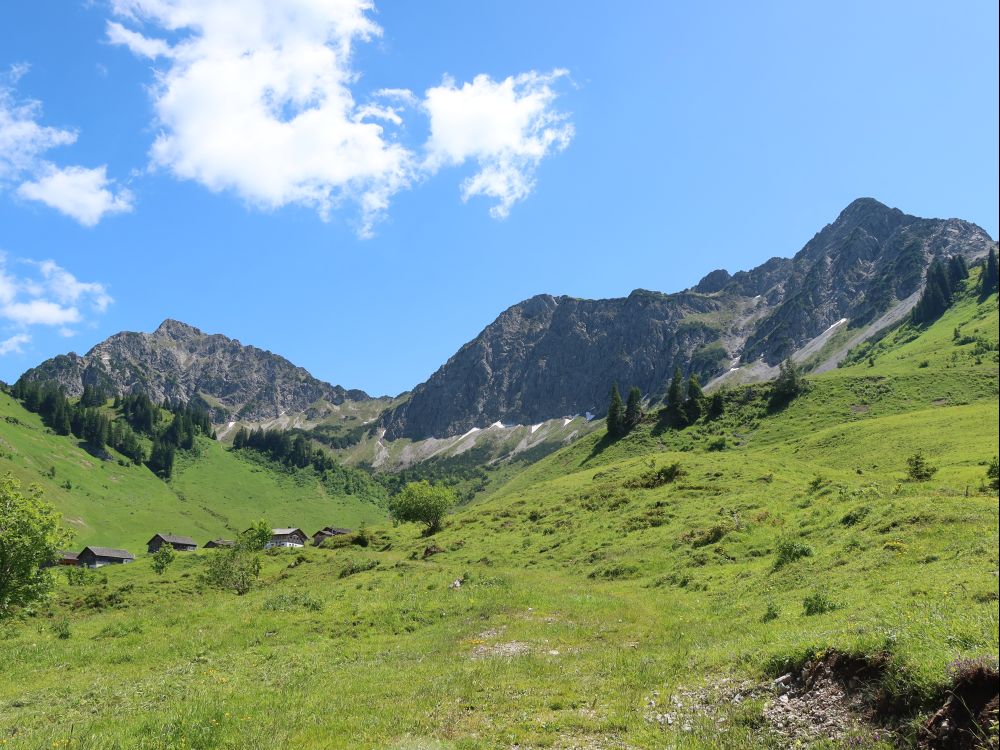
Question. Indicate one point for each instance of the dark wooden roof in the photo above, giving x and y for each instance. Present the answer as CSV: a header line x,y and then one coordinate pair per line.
x,y
65,554
220,543
174,539
109,552
332,531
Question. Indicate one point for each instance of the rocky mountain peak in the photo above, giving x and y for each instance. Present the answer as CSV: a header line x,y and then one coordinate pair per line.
x,y
177,329
181,363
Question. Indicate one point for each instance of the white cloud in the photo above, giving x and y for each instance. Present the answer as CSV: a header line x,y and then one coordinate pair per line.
x,y
14,344
46,295
257,97
84,194
22,139
140,45
507,127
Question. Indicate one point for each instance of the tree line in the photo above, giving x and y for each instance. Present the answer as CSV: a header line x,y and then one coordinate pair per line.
x,y
943,279
89,420
297,451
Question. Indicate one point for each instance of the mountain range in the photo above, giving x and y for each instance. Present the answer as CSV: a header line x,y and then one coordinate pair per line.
x,y
549,357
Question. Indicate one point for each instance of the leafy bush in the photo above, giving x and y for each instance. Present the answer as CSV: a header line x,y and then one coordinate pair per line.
x,y
163,557
993,474
817,603
789,551
917,468
422,502
235,569
771,613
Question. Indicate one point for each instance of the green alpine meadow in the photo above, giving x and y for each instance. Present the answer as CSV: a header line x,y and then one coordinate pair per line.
x,y
499,375
804,561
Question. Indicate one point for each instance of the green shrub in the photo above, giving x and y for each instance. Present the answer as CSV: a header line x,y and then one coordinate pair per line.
x,y
817,603
61,628
704,537
718,444
771,613
789,551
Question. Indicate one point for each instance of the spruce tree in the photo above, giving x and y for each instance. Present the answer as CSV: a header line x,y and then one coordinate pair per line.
x,y
633,409
616,413
675,400
989,281
694,406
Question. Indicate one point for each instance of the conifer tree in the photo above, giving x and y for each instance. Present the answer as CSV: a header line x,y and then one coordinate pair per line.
x,y
675,400
990,280
616,413
633,409
694,406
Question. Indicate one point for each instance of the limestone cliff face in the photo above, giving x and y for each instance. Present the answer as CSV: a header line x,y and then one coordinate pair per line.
x,y
181,363
555,356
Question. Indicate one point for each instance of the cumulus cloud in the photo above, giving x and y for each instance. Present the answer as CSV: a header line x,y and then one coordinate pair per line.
x,y
257,97
86,195
507,127
44,294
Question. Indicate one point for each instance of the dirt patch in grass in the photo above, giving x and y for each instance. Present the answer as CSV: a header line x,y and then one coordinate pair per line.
x,y
967,719
507,650
836,698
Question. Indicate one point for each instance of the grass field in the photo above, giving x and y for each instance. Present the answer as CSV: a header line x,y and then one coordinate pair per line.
x,y
212,493
589,596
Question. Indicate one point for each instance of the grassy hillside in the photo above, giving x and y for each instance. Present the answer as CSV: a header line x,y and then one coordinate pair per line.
x,y
213,492
604,604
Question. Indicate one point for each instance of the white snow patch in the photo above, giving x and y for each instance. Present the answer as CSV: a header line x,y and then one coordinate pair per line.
x,y
733,369
535,427
567,420
497,424
838,323
474,429
758,296
588,416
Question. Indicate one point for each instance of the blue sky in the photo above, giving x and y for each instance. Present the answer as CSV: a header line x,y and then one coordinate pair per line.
x,y
252,178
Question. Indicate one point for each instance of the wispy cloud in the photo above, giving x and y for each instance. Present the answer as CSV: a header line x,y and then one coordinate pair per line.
x,y
86,195
258,97
43,293
14,344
